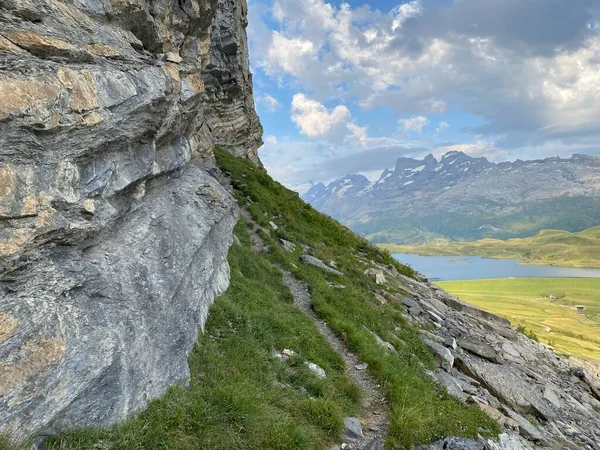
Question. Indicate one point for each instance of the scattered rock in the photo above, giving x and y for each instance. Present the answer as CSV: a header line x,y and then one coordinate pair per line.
x,y
442,355
449,383
430,335
383,344
506,442
453,443
450,343
352,428
89,206
289,353
173,57
551,395
318,371
375,444
288,246
494,414
380,298
273,226
414,308
312,261
481,349
526,428
378,274
362,366
435,317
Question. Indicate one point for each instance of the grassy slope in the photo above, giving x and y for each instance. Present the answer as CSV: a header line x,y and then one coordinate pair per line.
x,y
559,248
240,397
420,412
525,302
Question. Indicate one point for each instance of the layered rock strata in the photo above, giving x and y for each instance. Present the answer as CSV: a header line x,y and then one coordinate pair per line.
x,y
113,234
540,399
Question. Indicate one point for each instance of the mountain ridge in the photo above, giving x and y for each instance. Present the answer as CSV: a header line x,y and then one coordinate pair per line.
x,y
464,198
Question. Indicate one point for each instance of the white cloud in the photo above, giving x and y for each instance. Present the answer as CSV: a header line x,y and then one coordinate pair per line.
x,y
420,57
271,140
404,12
441,127
315,121
358,134
269,102
290,55
413,124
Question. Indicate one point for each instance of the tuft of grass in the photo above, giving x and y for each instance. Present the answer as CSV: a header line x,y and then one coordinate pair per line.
x,y
420,411
240,396
530,334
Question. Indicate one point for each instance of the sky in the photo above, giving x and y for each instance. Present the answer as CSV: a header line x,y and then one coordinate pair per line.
x,y
348,87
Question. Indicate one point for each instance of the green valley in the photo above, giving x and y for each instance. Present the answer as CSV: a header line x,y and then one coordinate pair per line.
x,y
544,308
553,247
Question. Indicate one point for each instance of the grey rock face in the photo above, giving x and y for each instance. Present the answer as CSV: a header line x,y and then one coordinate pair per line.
x,y
101,329
113,237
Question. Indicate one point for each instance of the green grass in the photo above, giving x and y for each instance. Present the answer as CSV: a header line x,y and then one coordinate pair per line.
x,y
526,303
420,411
555,247
240,396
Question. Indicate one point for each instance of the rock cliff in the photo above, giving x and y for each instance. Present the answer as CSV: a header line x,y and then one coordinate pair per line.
x,y
113,234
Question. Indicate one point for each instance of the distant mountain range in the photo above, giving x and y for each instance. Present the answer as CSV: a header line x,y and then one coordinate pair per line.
x,y
465,198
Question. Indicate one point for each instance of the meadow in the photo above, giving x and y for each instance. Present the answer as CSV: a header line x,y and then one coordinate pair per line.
x,y
553,247
544,308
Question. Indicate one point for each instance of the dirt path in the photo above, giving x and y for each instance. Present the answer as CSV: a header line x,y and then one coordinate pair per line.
x,y
375,409
375,417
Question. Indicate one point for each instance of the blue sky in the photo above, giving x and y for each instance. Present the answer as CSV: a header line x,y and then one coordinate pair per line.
x,y
348,87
